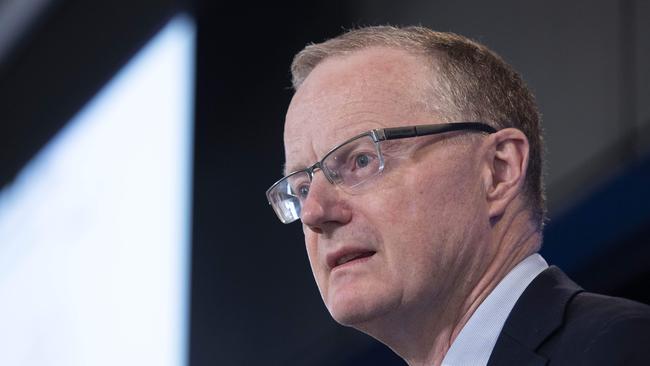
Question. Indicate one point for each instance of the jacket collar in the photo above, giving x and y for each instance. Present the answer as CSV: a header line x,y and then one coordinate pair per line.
x,y
536,315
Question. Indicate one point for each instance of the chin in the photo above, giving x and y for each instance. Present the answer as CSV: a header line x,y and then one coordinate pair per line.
x,y
358,311
350,317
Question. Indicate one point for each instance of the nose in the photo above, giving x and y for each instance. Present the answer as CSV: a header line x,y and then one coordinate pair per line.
x,y
325,206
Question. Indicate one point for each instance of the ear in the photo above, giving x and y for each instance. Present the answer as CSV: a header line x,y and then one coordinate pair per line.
x,y
507,160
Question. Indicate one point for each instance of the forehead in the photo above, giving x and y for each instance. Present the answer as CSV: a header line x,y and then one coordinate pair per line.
x,y
344,96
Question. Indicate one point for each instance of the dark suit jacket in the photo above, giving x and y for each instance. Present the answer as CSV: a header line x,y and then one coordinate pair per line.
x,y
555,322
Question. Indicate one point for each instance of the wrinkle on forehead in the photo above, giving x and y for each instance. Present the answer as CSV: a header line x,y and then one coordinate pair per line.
x,y
344,96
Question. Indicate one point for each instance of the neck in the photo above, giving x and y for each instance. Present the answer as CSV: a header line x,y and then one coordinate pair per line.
x,y
423,334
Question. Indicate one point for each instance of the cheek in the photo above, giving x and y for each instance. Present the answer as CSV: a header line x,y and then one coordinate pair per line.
x,y
410,228
312,251
311,243
425,218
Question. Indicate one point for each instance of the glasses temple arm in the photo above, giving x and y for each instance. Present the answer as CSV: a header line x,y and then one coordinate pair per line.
x,y
423,130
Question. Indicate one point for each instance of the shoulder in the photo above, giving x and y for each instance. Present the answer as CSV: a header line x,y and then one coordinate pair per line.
x,y
555,322
587,306
602,330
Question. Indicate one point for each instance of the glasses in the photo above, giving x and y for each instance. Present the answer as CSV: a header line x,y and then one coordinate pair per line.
x,y
350,164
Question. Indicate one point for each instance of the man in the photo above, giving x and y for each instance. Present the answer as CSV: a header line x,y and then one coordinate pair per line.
x,y
426,237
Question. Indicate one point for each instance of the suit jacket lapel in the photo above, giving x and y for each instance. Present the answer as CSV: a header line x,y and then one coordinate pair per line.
x,y
509,351
538,312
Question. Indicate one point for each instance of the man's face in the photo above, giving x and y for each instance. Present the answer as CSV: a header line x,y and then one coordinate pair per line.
x,y
416,229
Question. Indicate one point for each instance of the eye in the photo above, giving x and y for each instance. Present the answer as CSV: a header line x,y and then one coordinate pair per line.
x,y
303,191
362,160
298,185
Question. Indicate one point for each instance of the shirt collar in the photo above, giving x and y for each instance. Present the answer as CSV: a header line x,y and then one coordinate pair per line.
x,y
475,342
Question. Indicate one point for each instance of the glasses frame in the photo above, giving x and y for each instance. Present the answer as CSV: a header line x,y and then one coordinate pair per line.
x,y
378,135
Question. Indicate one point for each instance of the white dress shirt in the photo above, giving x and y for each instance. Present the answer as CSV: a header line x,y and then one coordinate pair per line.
x,y
475,342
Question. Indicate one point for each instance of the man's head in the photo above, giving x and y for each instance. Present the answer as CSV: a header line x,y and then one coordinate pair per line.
x,y
423,234
467,82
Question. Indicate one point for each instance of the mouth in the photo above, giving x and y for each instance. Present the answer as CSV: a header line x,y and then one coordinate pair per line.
x,y
348,257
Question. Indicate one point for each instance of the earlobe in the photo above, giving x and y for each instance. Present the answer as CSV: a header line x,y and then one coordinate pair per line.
x,y
507,164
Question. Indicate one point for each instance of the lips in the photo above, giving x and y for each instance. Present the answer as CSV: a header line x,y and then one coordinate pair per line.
x,y
347,255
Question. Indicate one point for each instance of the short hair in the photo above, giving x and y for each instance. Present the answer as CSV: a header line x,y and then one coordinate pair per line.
x,y
473,83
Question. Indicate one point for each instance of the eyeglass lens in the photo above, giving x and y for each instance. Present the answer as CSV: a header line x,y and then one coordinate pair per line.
x,y
348,166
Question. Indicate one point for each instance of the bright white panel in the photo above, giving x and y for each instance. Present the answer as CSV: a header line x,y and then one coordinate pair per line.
x,y
94,232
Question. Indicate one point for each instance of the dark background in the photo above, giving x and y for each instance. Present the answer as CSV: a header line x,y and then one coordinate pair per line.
x,y
253,296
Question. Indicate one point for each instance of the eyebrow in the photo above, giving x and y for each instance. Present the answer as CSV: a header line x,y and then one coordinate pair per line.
x,y
285,170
